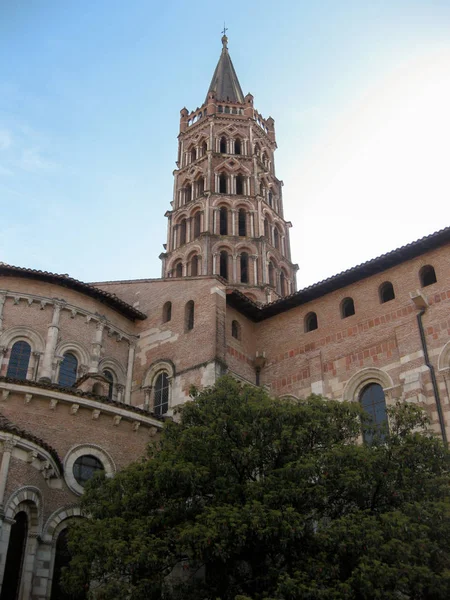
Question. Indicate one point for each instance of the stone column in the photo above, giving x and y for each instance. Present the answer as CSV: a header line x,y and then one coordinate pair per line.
x,y
252,223
50,345
131,351
188,229
119,390
255,269
8,446
215,263
147,396
233,221
234,258
96,347
2,305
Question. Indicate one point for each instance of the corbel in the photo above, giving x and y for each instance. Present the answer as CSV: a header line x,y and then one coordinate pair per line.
x,y
117,420
53,403
32,455
74,409
5,394
28,398
96,413
136,425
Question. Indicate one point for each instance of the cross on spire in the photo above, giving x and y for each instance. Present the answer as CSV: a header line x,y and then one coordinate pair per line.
x,y
225,29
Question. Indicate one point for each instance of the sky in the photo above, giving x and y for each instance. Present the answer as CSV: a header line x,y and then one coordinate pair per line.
x,y
90,94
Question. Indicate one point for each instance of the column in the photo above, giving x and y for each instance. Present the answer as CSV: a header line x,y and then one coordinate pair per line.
x,y
215,213
2,305
252,223
96,347
50,345
255,269
234,258
131,351
119,391
8,446
233,221
215,263
188,229
147,396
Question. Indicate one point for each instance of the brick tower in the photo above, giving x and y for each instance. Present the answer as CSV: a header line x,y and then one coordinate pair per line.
x,y
227,209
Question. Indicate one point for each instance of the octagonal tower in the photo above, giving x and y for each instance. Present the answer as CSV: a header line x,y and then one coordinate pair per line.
x,y
227,209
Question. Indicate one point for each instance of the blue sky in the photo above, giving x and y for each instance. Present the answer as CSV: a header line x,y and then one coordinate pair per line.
x,y
90,94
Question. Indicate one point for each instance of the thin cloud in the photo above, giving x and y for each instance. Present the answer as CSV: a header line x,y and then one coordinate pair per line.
x,y
5,139
32,160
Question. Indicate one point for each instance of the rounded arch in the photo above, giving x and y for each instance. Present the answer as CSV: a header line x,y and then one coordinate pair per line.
x,y
386,292
195,249
181,217
155,368
80,450
244,204
272,258
444,358
361,379
27,496
221,245
22,333
54,523
246,247
111,364
427,275
75,348
173,262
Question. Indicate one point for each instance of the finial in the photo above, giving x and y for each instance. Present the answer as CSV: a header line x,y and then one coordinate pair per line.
x,y
224,36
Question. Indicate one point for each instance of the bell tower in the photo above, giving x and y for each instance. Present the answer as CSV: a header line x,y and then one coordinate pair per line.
x,y
227,209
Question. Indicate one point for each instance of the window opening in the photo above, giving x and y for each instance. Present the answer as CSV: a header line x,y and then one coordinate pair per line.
x,y
266,229
237,146
68,370
167,312
311,322
161,399
270,199
189,315
110,378
183,232
223,145
224,264
223,225
222,184
62,560
188,193
244,267
347,308
271,274
283,283
239,185
194,266
386,292
242,222
193,155
276,238
236,330
179,270
15,557
84,468
427,276
374,403
19,360
197,224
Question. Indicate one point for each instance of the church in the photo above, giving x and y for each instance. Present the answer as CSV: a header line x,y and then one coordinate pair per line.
x,y
90,371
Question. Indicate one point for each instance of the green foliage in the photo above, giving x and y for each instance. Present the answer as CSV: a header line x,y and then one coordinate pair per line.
x,y
251,498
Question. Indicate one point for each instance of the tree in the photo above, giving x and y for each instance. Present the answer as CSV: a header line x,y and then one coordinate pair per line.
x,y
253,498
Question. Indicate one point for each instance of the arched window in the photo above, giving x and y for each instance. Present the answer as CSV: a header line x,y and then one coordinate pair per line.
x,y
15,557
222,184
167,312
194,266
68,370
62,560
183,232
239,185
276,238
236,330
193,154
223,258
386,292
257,150
204,148
223,218
266,229
237,146
19,360
374,403
110,378
244,267
200,184
427,275
242,222
347,308
271,274
197,224
283,286
227,109
179,270
188,193
223,145
311,322
189,315
161,398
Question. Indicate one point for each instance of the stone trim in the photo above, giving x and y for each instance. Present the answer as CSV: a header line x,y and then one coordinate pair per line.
x,y
81,450
355,384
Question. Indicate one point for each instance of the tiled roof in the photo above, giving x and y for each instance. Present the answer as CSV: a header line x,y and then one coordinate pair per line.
x,y
106,298
336,282
7,426
225,82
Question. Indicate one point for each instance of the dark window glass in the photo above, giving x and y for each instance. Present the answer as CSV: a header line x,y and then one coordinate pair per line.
x,y
242,222
110,377
239,185
68,370
223,258
189,315
374,403
237,146
244,267
223,218
347,308
167,312
223,144
19,360
161,401
386,292
223,184
197,224
227,109
236,330
14,557
179,270
85,467
427,276
194,266
311,322
183,232
271,274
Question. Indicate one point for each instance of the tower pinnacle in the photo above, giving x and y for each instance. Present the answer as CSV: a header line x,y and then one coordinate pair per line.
x,y
225,82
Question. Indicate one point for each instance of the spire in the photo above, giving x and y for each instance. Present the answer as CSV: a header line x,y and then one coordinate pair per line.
x,y
224,82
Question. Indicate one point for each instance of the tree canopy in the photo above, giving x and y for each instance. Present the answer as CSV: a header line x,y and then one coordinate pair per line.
x,y
248,497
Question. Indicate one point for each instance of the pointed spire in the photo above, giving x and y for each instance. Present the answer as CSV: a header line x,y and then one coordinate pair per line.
x,y
224,82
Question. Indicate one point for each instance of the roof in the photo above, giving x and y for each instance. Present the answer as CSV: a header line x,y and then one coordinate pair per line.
x,y
7,426
377,265
87,289
224,82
